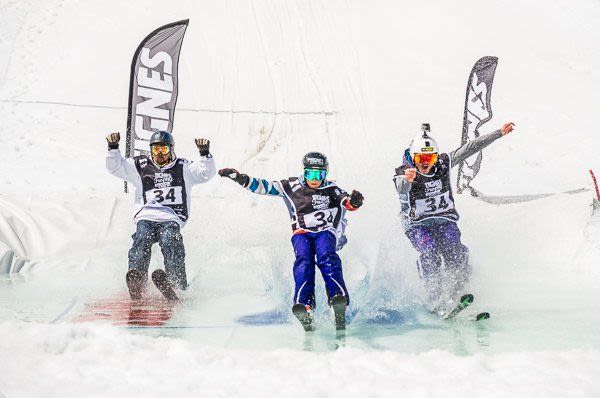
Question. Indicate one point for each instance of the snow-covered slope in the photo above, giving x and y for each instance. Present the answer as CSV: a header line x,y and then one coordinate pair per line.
x,y
267,81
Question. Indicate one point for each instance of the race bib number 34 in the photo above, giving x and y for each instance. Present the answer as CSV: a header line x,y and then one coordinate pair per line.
x,y
320,219
434,205
167,196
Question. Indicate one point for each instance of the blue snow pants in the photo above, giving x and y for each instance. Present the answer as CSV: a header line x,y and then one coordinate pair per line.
x,y
321,245
168,236
438,241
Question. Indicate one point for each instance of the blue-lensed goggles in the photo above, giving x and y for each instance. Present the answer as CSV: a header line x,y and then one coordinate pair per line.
x,y
315,174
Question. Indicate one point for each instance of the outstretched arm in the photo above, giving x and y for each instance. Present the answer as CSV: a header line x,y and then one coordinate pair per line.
x,y
472,147
255,185
116,164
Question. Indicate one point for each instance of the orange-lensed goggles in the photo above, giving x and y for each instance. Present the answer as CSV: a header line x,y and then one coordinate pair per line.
x,y
425,158
162,149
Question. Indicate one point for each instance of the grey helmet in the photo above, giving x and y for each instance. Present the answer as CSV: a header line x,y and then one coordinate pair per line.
x,y
162,137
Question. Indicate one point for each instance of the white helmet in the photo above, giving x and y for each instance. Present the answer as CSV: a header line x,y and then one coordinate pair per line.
x,y
423,144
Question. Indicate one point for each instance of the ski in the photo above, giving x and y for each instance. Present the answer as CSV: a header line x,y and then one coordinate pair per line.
x,y
135,283
463,303
159,277
304,316
338,303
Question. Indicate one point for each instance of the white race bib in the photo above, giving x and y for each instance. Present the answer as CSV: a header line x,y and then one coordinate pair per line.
x,y
321,219
167,195
433,205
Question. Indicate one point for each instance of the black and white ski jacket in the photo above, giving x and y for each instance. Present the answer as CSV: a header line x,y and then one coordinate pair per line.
x,y
161,193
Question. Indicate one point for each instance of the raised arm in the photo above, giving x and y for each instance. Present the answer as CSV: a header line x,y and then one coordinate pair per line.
x,y
472,147
202,170
116,164
255,185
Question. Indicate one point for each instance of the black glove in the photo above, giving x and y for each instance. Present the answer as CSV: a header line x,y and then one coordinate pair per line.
x,y
113,140
356,199
236,176
203,146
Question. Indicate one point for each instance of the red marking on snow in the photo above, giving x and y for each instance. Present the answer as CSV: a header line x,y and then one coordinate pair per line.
x,y
595,184
122,311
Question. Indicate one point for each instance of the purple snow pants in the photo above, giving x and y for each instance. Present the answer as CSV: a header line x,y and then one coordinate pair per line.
x,y
321,245
438,241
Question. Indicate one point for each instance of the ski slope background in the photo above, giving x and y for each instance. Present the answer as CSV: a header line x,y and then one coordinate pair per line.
x,y
267,81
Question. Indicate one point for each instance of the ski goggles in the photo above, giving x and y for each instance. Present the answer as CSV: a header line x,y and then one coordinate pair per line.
x,y
315,174
425,158
162,149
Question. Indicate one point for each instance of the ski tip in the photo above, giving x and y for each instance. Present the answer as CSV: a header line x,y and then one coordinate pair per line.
x,y
134,280
339,303
132,272
482,316
298,308
338,299
158,273
467,298
303,316
159,277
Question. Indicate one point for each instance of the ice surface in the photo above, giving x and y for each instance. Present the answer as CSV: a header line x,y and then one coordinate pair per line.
x,y
267,82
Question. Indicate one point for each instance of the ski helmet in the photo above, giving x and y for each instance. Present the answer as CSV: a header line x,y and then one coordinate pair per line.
x,y
423,144
315,160
162,137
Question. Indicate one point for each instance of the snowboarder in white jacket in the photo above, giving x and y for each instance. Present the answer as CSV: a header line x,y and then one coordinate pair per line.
x,y
163,183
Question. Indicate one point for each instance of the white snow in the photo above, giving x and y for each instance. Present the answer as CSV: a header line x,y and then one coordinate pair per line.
x,y
267,81
102,361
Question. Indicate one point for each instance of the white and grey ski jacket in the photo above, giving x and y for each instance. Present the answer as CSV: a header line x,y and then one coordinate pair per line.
x,y
404,187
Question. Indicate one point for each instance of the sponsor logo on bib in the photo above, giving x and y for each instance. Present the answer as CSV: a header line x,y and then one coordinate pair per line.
x,y
433,188
162,180
320,202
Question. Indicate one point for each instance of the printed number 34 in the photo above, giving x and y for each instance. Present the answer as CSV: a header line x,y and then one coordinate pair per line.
x,y
431,204
323,219
158,195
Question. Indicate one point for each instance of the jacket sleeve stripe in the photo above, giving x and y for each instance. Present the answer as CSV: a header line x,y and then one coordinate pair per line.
x,y
264,187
